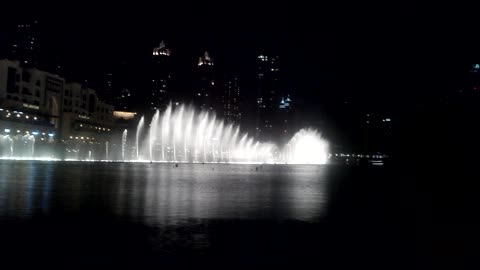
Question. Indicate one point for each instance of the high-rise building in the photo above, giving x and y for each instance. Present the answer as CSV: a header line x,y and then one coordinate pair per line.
x,y
269,97
161,77
117,87
24,43
205,94
285,116
231,100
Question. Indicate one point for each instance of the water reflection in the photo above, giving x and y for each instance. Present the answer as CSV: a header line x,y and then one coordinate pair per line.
x,y
25,189
162,194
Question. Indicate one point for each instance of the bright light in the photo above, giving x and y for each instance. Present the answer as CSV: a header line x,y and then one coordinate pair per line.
x,y
51,134
35,132
7,130
307,147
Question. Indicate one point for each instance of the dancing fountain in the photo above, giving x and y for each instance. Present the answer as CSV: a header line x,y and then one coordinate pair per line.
x,y
181,134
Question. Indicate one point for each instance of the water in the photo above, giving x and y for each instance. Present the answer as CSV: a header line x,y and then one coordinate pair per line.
x,y
141,215
85,211
159,194
183,134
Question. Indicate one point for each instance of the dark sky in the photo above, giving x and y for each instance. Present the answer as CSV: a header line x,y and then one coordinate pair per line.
x,y
382,57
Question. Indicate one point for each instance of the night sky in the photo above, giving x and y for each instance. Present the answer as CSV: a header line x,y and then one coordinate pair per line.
x,y
379,61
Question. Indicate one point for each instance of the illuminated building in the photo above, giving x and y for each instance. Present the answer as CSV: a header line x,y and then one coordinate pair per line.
x,y
25,46
31,91
160,76
24,43
269,95
205,95
231,101
43,104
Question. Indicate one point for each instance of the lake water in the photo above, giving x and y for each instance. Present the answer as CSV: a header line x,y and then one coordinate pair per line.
x,y
78,214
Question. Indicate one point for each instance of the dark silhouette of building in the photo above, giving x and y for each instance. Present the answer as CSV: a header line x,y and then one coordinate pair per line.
x,y
269,123
231,100
161,77
206,91
24,43
117,88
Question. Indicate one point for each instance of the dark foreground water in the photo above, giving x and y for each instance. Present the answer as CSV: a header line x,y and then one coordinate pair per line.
x,y
203,216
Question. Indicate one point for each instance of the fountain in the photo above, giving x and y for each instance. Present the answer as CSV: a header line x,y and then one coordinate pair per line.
x,y
139,129
124,143
306,147
106,150
177,134
153,133
180,133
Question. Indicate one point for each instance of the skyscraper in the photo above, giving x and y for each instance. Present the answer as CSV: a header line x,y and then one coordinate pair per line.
x,y
24,43
269,96
117,88
231,100
27,45
161,77
205,94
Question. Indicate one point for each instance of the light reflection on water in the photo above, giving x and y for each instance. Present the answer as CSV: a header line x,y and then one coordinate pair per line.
x,y
162,194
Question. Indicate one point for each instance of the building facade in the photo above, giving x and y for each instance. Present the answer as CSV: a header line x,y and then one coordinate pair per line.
x,y
273,104
161,77
205,96
231,101
37,107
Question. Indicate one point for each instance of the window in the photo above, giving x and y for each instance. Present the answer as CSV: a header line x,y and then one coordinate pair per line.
x,y
37,92
37,83
36,102
25,91
11,80
25,76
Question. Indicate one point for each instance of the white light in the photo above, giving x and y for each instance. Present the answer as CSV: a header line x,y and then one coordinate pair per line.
x,y
51,134
7,130
35,132
35,118
307,147
18,131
